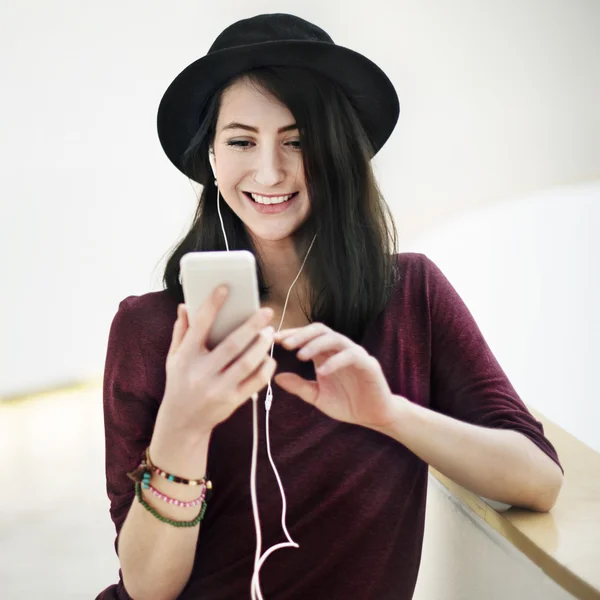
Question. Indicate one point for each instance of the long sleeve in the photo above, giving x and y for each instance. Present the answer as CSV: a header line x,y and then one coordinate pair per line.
x,y
129,410
467,382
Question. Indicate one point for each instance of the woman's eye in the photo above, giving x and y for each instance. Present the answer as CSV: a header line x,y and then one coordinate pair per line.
x,y
245,144
238,143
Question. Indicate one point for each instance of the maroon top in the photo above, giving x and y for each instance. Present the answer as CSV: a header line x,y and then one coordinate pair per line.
x,y
356,498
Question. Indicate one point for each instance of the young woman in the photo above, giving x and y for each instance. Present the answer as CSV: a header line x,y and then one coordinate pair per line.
x,y
378,367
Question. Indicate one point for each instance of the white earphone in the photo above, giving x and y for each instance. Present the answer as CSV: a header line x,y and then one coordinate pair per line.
x,y
213,166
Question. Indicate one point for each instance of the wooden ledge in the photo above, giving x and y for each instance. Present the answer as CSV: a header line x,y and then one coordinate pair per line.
x,y
49,392
564,543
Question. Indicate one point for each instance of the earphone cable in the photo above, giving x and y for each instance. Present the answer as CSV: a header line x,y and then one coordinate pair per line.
x,y
268,402
221,216
255,591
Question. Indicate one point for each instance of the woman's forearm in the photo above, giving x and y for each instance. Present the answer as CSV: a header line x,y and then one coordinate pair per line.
x,y
498,464
157,558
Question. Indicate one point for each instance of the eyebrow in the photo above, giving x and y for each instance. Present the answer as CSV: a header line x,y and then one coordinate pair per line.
x,y
235,125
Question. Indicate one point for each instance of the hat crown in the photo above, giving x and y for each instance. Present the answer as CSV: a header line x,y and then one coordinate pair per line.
x,y
275,27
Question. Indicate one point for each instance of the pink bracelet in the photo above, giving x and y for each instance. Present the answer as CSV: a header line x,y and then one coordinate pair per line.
x,y
175,502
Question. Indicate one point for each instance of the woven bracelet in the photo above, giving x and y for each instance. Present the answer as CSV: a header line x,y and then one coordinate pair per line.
x,y
174,478
147,466
193,523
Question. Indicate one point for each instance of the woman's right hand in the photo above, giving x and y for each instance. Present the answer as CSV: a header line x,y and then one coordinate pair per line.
x,y
204,387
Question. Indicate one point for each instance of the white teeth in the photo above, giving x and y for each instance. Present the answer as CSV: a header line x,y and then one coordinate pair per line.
x,y
274,200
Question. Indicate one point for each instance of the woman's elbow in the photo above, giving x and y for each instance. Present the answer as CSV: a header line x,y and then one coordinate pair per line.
x,y
544,494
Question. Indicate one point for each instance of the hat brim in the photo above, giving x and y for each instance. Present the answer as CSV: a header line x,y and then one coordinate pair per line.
x,y
370,90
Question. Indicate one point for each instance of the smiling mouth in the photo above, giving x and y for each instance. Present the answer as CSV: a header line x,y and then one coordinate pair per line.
x,y
270,200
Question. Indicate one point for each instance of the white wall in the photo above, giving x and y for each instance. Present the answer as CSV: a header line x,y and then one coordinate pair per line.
x,y
528,270
497,99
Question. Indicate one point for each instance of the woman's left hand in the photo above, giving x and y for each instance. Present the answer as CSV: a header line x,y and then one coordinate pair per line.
x,y
350,384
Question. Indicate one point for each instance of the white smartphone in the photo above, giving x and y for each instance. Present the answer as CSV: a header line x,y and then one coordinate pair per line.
x,y
202,272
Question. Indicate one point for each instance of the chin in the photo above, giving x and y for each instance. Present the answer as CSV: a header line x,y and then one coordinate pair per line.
x,y
272,236
272,232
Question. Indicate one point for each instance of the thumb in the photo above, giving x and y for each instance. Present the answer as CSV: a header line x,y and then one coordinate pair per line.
x,y
294,384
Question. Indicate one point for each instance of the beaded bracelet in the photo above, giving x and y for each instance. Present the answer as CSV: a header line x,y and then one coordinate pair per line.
x,y
192,523
174,501
142,475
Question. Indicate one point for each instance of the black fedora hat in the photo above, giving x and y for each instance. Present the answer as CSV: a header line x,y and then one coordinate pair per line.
x,y
274,40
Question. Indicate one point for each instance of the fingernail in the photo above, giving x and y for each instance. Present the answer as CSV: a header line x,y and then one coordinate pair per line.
x,y
267,332
221,291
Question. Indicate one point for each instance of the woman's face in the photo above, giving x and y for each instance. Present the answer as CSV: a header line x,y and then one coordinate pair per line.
x,y
258,163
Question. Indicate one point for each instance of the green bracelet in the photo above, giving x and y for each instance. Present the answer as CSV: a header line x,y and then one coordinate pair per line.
x,y
193,523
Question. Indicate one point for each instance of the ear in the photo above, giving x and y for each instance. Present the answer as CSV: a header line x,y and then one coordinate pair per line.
x,y
211,160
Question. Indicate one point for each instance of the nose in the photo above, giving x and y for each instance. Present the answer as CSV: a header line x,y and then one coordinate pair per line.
x,y
270,167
